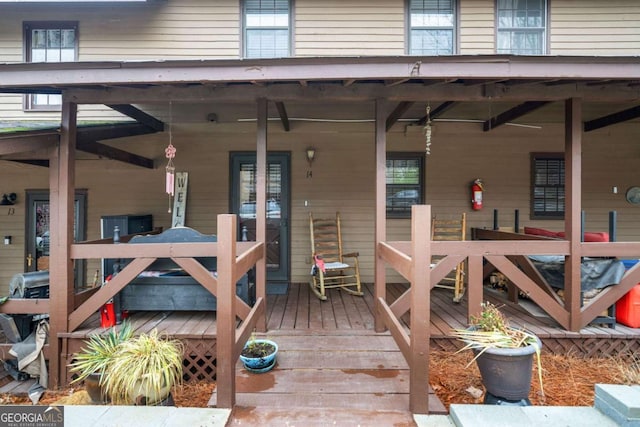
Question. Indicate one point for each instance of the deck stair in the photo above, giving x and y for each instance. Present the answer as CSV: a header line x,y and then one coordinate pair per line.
x,y
329,376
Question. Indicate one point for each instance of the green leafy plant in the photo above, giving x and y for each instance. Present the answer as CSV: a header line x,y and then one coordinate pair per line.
x,y
144,369
257,348
491,329
99,351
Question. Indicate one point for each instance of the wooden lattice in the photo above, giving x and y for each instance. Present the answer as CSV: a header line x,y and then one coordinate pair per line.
x,y
199,359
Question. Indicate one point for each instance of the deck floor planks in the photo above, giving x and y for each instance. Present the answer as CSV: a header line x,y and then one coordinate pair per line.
x,y
302,312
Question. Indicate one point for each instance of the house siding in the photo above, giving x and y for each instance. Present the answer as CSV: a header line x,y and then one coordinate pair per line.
x,y
477,27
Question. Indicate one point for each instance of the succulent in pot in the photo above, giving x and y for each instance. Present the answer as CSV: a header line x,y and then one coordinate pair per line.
x,y
259,355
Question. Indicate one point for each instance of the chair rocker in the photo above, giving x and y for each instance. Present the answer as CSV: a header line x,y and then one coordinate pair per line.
x,y
452,230
330,267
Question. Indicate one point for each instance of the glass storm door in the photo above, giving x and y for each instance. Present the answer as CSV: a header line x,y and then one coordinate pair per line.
x,y
37,232
243,203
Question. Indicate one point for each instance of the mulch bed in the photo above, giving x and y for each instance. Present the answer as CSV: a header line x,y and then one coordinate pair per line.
x,y
567,381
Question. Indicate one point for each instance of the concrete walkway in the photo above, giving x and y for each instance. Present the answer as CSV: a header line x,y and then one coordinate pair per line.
x,y
143,416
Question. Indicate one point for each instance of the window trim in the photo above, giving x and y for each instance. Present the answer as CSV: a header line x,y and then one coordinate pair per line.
x,y
27,100
407,155
455,29
545,35
548,156
243,30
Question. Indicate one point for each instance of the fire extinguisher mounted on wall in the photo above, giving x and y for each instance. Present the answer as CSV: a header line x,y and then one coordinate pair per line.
x,y
476,194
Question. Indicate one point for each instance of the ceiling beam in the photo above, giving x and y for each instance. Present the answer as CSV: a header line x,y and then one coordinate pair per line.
x,y
112,131
512,114
138,115
113,153
398,112
32,162
24,142
439,110
282,112
612,119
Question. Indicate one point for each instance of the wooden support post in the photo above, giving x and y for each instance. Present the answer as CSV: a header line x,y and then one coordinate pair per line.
x,y
420,309
475,286
572,217
226,313
61,277
380,285
261,206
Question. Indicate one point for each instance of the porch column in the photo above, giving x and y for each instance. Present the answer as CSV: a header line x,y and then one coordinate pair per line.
x,y
261,206
573,208
380,287
61,286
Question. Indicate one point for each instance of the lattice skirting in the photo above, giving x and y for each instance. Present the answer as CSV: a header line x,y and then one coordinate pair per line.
x,y
579,347
199,359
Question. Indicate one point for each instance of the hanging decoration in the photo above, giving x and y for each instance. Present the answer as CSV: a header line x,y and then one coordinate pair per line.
x,y
427,131
170,153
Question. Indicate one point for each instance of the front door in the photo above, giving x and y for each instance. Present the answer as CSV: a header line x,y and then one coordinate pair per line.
x,y
243,203
37,232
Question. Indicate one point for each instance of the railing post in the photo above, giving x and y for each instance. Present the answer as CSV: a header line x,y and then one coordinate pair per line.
x,y
226,314
420,309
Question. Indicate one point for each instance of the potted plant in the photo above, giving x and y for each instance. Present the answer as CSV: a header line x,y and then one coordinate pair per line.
x,y
144,369
504,354
259,355
91,363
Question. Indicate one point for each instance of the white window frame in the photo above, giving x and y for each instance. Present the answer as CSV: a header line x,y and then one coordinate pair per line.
x,y
270,22
431,23
53,101
515,29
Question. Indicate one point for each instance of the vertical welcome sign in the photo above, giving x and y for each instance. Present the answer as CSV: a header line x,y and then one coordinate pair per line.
x,y
180,200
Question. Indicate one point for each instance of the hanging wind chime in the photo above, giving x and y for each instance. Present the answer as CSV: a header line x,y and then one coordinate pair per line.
x,y
427,131
170,153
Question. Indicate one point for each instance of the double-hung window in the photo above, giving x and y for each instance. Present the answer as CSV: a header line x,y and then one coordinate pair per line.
x,y
432,27
266,28
522,26
404,183
547,186
49,42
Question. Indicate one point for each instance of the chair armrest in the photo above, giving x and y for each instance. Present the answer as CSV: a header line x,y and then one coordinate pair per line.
x,y
351,255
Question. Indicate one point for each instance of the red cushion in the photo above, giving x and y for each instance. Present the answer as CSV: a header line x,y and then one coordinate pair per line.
x,y
542,232
588,236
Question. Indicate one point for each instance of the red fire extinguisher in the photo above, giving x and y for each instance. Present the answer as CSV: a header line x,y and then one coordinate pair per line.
x,y
476,195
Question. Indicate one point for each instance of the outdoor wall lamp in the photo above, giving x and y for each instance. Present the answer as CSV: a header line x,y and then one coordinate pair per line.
x,y
8,199
311,154
7,240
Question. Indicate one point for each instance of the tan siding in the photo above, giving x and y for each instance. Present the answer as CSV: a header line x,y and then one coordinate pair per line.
x,y
595,28
349,28
477,27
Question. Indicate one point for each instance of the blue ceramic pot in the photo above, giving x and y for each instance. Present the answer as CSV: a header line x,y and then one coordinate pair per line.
x,y
263,363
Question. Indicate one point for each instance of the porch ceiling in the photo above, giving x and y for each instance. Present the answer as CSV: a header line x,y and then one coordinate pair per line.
x,y
504,89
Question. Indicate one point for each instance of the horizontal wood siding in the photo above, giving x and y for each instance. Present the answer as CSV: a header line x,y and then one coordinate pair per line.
x,y
477,27
595,27
346,28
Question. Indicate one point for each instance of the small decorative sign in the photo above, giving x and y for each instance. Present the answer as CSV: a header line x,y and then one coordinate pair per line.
x,y
180,200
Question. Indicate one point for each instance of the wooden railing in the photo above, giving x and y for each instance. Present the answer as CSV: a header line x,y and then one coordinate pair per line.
x,y
412,260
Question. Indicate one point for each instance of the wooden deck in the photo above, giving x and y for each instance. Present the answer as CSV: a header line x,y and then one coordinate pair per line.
x,y
330,356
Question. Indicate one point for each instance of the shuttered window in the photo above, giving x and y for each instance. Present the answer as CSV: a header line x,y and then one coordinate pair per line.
x,y
49,42
266,28
547,189
404,182
522,27
432,24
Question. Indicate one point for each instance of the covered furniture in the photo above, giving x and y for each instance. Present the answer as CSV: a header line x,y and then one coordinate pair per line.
x,y
165,286
330,267
452,230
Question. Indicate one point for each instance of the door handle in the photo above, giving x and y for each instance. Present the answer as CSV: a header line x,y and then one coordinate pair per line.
x,y
29,260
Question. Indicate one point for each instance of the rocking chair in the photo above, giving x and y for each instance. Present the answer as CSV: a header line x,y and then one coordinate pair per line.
x,y
330,270
451,229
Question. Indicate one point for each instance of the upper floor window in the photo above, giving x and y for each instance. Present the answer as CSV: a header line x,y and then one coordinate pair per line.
x,y
547,186
49,42
404,182
266,28
522,26
432,24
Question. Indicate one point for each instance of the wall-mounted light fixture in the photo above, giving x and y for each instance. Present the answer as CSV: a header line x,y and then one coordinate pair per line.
x,y
8,199
311,154
7,240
